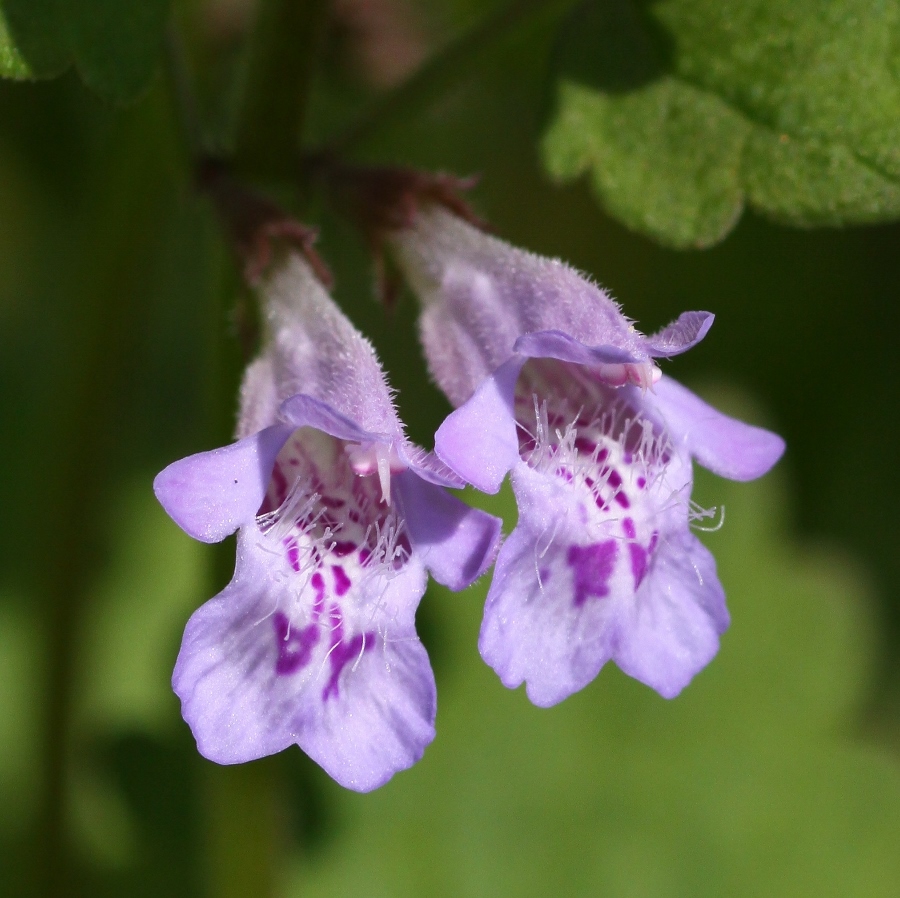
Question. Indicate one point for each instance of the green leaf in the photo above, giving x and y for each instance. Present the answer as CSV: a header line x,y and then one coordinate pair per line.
x,y
12,65
749,783
32,39
114,45
684,110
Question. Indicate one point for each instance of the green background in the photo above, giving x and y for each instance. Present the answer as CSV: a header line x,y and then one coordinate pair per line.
x,y
774,773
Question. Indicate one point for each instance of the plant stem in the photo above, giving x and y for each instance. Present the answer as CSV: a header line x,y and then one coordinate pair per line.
x,y
100,335
429,81
181,86
282,54
242,824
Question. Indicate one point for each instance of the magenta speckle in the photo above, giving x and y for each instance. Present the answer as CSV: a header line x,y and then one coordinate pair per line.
x,y
343,548
294,648
592,566
639,556
317,581
641,482
628,528
341,581
341,652
622,499
293,553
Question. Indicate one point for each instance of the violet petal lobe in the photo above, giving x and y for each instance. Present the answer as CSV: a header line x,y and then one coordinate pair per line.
x,y
457,543
210,494
478,440
557,345
534,629
724,445
262,667
682,334
670,631
307,411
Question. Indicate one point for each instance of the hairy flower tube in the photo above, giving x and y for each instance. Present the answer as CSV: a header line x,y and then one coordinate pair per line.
x,y
554,385
340,520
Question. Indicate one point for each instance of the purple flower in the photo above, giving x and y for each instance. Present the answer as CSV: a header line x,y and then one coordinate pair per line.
x,y
556,386
313,642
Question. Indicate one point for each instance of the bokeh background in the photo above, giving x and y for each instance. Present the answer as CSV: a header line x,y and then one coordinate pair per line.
x,y
776,772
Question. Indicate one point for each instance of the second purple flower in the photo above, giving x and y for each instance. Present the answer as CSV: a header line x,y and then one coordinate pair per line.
x,y
555,385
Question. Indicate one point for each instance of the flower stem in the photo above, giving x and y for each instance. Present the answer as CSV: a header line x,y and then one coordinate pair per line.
x,y
282,54
436,75
244,830
100,331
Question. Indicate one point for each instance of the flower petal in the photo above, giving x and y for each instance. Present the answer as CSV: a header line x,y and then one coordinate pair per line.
x,y
671,630
457,543
534,629
307,411
478,441
316,350
557,345
253,681
479,294
724,445
685,332
210,494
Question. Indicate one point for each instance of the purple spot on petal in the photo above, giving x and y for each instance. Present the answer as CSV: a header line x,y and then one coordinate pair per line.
x,y
592,566
343,548
341,580
641,482
639,557
584,445
294,647
341,652
317,581
628,528
293,553
622,499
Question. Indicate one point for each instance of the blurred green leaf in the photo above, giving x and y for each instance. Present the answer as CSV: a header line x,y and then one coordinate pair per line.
x,y
748,784
683,111
115,46
12,65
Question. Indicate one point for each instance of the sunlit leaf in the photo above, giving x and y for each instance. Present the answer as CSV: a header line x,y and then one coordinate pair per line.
x,y
114,46
683,111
